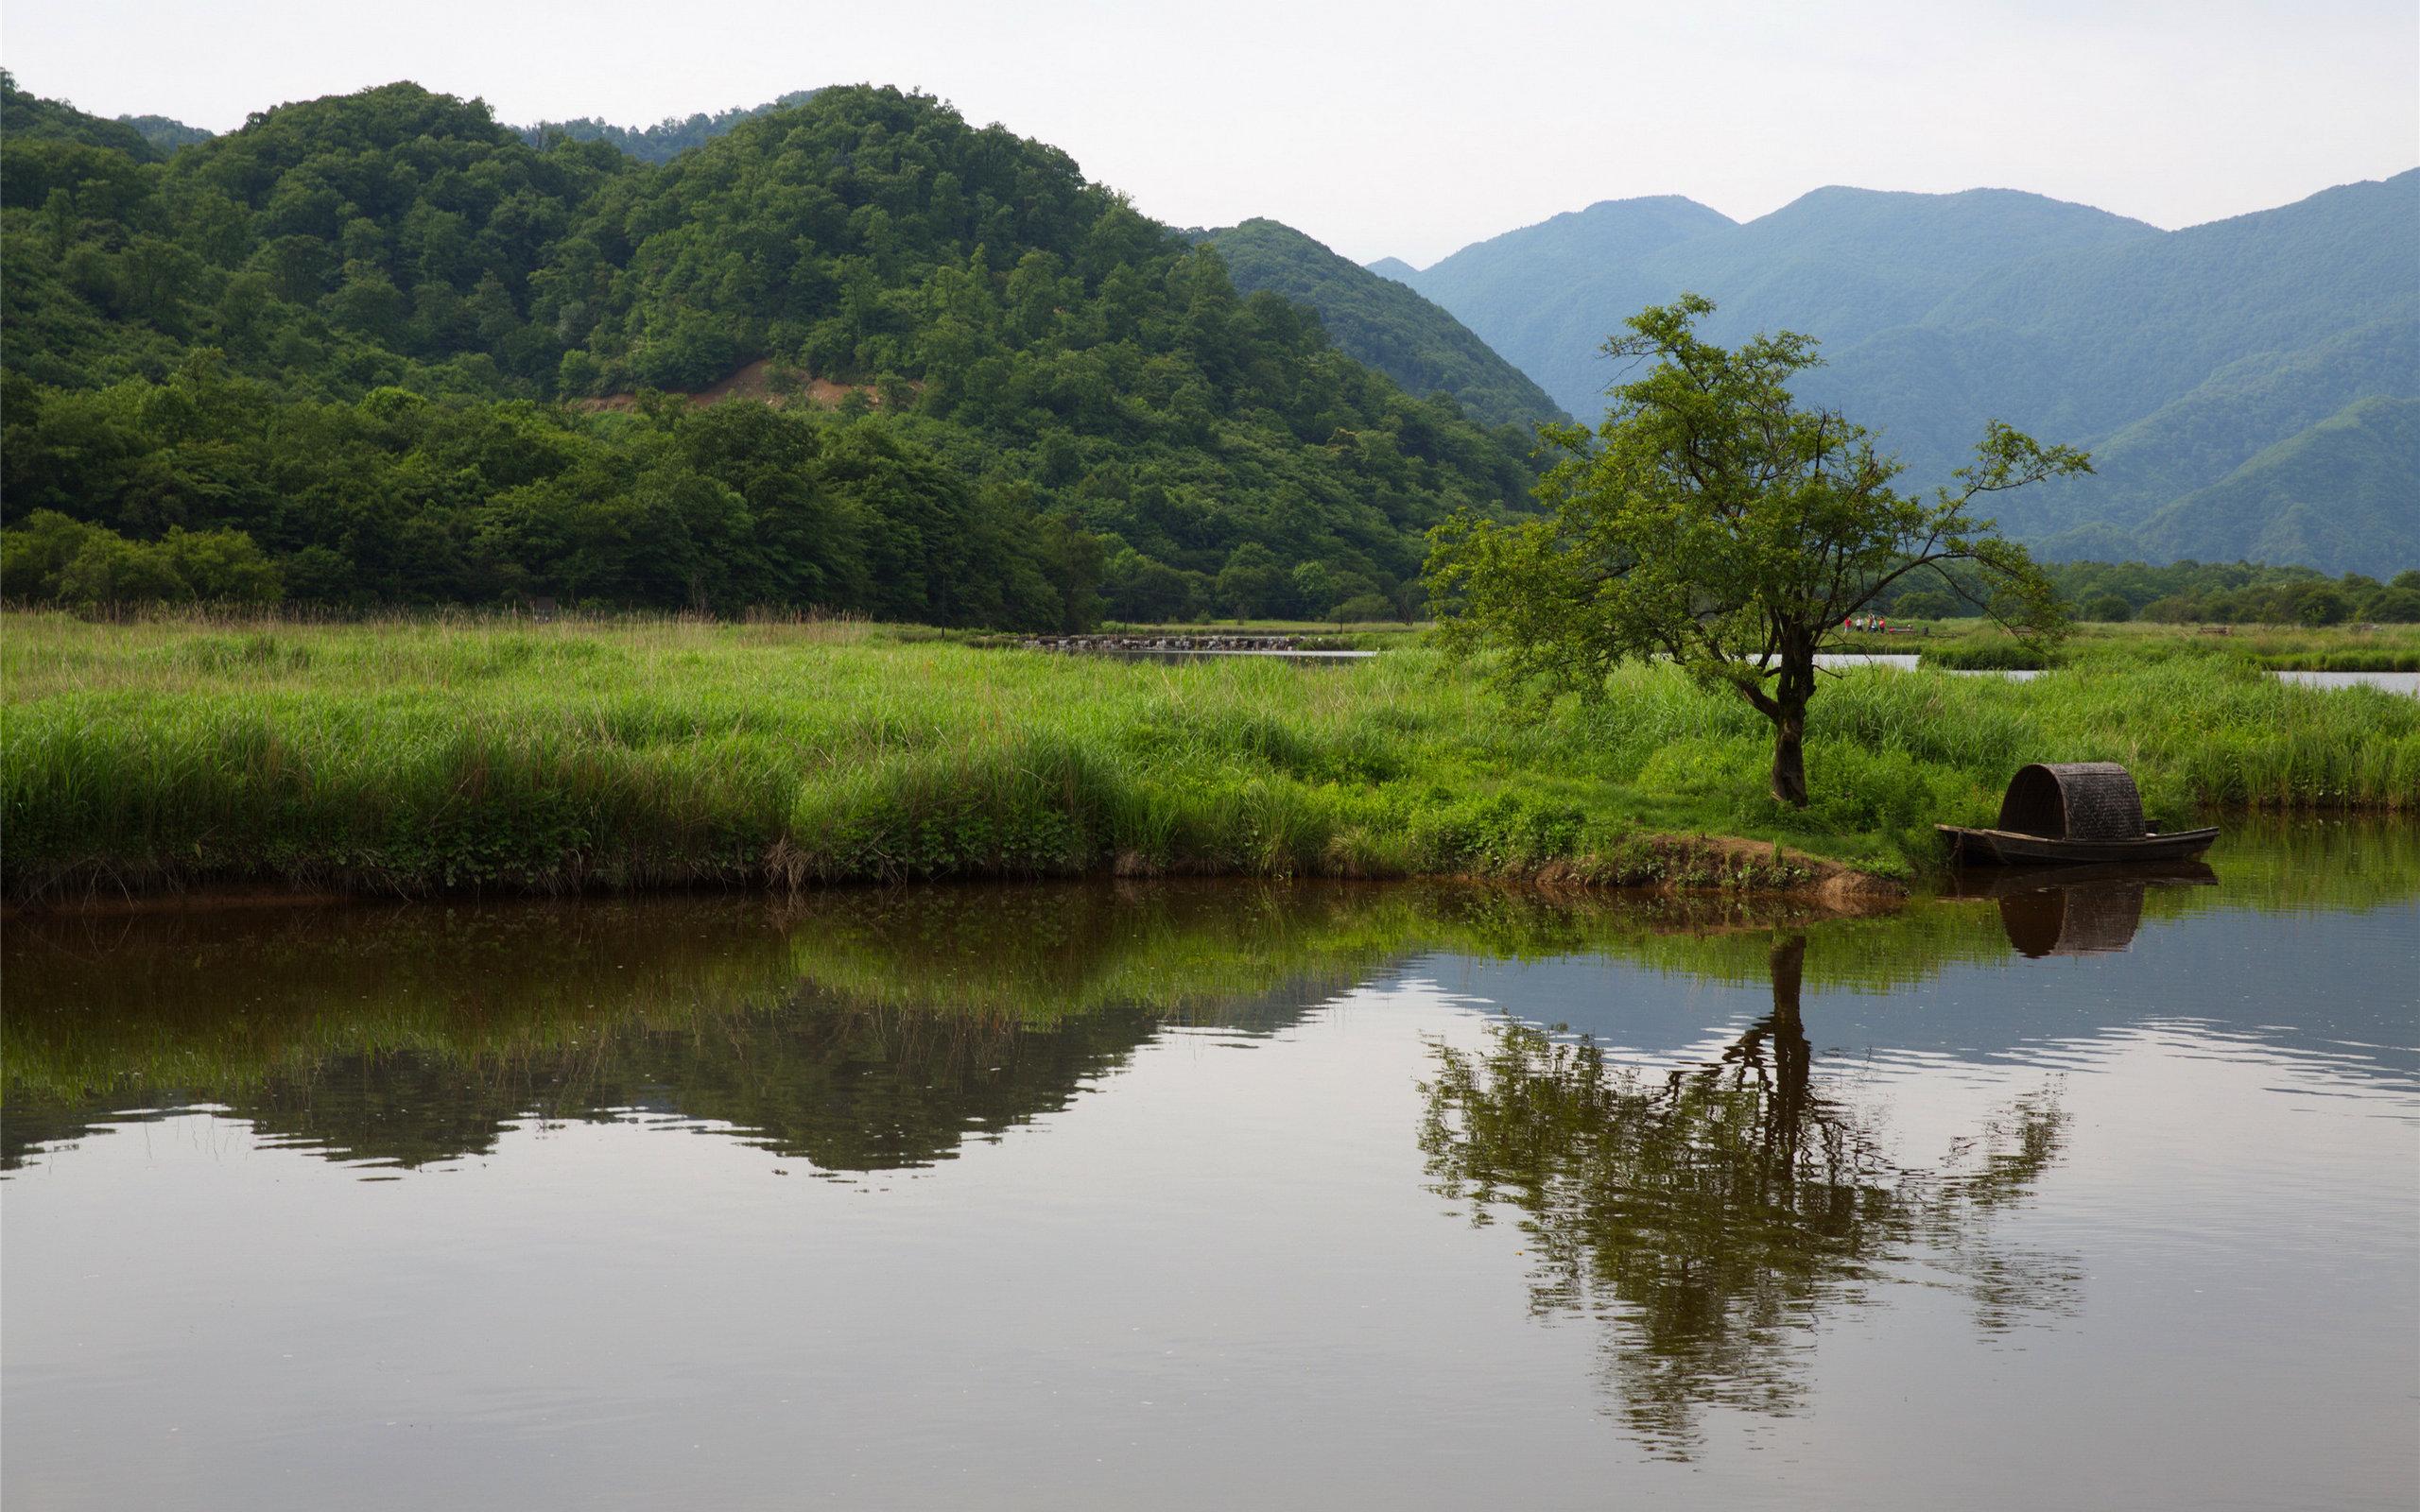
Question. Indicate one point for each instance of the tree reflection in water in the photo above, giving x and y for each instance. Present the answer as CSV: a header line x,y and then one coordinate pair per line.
x,y
1711,1216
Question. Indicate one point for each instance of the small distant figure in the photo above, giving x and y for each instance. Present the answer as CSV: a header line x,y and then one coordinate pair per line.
x,y
542,610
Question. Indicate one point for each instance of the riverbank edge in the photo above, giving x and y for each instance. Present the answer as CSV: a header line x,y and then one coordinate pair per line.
x,y
1726,866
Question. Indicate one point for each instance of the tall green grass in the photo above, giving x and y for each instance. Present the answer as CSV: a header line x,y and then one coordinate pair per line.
x,y
1977,645
1976,653
413,757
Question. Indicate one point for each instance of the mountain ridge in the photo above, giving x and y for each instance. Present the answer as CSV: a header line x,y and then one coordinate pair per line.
x,y
327,354
2177,356
1381,321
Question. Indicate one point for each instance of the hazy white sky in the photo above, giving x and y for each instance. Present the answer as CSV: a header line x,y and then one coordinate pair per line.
x,y
1408,129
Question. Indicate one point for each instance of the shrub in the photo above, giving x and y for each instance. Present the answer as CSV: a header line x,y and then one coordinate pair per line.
x,y
1997,654
2324,604
1929,604
223,566
1364,608
34,554
2393,606
110,569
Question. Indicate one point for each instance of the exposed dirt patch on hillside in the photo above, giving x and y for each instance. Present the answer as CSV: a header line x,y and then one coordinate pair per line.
x,y
761,381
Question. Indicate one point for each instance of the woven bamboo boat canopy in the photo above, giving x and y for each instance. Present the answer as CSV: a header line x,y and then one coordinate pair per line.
x,y
2073,800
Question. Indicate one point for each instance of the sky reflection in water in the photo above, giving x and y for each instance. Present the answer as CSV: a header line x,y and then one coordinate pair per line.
x,y
1200,1195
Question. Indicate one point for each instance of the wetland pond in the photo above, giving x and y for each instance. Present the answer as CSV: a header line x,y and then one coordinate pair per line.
x,y
2085,1193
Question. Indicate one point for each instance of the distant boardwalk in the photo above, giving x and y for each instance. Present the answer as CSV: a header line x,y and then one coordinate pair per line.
x,y
1181,647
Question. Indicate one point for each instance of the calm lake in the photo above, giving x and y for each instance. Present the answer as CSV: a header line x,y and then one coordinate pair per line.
x,y
1214,1195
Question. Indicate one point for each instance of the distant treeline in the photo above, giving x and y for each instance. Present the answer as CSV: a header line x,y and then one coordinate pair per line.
x,y
358,333
400,498
662,141
2202,593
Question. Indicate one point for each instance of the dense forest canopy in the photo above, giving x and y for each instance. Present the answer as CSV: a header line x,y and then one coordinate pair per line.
x,y
665,140
24,115
1382,322
165,135
380,349
2190,591
407,356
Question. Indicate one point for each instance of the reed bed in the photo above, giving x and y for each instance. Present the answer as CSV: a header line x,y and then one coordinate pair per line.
x,y
415,757
1977,645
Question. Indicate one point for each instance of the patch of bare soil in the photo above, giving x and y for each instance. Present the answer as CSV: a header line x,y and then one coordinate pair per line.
x,y
1716,862
758,381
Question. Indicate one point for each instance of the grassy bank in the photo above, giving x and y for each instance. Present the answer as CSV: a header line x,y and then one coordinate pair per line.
x,y
413,757
578,1007
1978,645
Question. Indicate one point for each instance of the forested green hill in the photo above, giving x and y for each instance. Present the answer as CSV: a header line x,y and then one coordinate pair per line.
x,y
665,140
2342,494
1382,322
165,135
343,339
2176,357
29,118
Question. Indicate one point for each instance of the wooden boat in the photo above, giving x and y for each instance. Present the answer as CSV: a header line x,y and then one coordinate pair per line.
x,y
2071,812
2006,847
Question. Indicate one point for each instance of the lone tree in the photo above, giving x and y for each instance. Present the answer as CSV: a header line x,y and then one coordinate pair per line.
x,y
1713,520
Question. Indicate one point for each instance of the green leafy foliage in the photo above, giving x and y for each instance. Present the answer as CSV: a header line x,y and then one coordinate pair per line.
x,y
664,140
165,134
1380,322
2189,592
26,119
417,359
1714,522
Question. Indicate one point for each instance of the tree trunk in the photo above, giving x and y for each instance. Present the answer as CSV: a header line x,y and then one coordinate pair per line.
x,y
1790,755
1787,708
1794,1058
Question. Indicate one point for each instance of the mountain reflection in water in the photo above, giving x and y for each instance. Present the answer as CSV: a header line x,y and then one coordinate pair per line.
x,y
859,1032
1756,1169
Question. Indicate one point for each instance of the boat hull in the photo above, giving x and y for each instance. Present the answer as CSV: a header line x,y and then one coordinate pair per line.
x,y
2006,847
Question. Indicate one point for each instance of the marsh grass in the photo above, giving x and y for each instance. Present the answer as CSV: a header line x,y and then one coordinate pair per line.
x,y
1990,654
1977,646
454,753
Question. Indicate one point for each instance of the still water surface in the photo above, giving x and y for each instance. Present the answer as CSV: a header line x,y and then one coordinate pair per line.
x,y
1190,1196
2391,681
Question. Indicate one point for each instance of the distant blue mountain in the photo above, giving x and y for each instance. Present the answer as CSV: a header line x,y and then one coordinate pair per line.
x,y
2218,373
